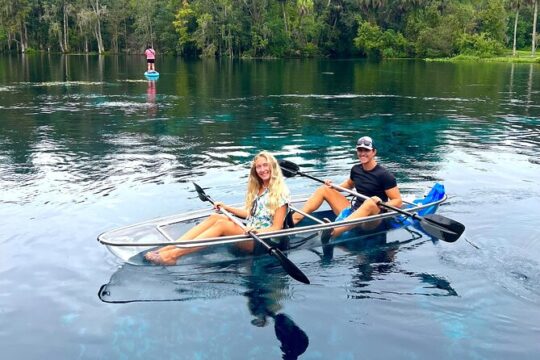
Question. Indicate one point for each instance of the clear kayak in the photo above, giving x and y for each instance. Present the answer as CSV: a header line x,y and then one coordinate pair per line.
x,y
131,242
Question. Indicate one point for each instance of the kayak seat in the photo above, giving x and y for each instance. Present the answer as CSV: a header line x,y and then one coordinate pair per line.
x,y
436,193
288,223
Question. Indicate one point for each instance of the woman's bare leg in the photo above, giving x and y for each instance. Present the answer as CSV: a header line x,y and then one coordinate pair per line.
x,y
222,227
202,227
214,226
246,246
196,230
169,254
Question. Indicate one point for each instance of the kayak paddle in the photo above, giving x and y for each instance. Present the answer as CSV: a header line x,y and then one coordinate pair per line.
x,y
435,225
287,264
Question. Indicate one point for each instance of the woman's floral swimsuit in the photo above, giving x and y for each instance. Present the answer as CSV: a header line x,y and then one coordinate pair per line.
x,y
261,217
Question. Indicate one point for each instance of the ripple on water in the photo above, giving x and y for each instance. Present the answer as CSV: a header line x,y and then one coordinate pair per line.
x,y
506,267
127,106
67,176
62,83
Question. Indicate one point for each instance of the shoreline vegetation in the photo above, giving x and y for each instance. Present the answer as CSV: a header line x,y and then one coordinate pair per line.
x,y
521,57
433,30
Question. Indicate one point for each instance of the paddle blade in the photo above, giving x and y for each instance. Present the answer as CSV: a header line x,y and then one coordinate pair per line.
x,y
288,168
289,266
201,193
442,227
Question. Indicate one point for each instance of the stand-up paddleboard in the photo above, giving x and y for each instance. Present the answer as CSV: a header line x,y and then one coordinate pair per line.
x,y
152,74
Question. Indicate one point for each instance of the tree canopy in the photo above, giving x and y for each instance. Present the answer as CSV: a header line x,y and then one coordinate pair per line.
x,y
270,28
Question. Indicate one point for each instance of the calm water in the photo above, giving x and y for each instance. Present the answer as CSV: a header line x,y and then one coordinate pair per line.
x,y
87,144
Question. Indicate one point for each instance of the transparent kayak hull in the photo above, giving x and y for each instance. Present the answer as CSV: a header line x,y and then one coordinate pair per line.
x,y
129,243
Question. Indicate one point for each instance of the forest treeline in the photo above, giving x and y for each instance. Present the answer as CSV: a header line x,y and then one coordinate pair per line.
x,y
271,28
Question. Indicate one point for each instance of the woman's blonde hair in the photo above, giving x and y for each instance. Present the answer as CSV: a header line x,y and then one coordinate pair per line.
x,y
277,187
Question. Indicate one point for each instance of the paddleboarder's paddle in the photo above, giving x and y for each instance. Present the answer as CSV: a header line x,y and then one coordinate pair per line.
x,y
435,225
287,264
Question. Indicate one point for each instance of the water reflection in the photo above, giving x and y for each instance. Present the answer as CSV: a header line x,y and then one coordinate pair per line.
x,y
94,103
375,255
265,287
151,98
264,293
76,150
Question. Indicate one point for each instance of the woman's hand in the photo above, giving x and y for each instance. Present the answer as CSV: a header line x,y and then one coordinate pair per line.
x,y
328,182
219,205
251,229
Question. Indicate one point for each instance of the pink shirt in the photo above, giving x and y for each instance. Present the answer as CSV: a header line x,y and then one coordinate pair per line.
x,y
150,54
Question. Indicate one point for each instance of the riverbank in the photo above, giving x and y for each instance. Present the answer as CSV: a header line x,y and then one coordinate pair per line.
x,y
522,56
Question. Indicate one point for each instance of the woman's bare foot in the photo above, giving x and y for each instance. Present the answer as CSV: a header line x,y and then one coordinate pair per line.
x,y
164,256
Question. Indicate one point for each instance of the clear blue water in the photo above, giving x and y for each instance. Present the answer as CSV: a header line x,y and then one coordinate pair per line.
x,y
87,144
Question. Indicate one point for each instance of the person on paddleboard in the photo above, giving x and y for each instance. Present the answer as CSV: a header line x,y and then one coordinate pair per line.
x,y
265,210
150,58
367,178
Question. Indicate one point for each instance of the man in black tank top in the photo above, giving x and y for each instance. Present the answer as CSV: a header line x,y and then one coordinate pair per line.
x,y
367,178
374,182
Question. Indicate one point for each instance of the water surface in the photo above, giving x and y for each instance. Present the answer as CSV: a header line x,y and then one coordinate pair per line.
x,y
88,144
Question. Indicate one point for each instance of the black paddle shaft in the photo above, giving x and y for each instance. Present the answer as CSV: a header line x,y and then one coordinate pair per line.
x,y
287,264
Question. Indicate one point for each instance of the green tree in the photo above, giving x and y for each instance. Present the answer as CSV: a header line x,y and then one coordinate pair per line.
x,y
436,29
535,16
84,19
338,27
369,39
144,18
376,43
51,16
98,13
492,19
116,22
482,45
514,5
14,18
185,23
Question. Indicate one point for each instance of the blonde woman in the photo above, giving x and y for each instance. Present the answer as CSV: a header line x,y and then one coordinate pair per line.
x,y
265,210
